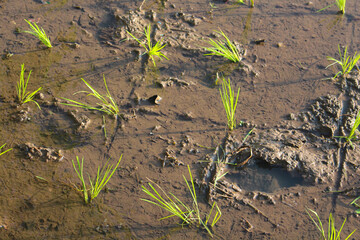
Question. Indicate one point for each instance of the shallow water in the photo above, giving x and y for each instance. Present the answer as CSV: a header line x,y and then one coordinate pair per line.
x,y
291,68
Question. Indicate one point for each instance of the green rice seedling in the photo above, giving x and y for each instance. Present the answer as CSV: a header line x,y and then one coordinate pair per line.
x,y
39,33
357,211
23,96
339,3
106,105
1,153
212,5
219,174
190,215
229,102
222,48
151,49
102,178
353,132
332,233
252,3
346,62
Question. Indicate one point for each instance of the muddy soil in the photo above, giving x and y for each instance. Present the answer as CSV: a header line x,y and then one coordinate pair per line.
x,y
171,116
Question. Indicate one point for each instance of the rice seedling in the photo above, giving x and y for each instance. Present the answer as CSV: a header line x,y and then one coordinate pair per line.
x,y
252,3
353,132
339,3
106,104
222,48
39,33
332,233
23,96
190,215
243,2
212,5
240,1
1,153
229,102
102,178
357,211
346,62
219,174
151,49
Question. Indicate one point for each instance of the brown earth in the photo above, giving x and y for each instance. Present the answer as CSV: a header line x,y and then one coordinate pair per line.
x,y
283,93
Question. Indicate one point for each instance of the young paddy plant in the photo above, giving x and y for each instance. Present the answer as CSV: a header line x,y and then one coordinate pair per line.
x,y
339,3
39,33
98,183
346,62
353,132
106,104
23,96
226,49
230,102
1,147
354,203
152,50
189,215
332,233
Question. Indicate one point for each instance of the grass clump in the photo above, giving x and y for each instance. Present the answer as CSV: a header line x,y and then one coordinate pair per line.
x,y
39,33
151,49
106,104
229,102
222,48
339,3
23,96
190,215
332,233
346,62
1,153
353,132
102,178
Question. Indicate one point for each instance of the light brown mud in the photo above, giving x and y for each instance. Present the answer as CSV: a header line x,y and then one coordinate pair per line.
x,y
295,112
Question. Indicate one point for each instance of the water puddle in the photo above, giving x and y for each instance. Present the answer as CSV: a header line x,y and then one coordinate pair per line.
x,y
264,178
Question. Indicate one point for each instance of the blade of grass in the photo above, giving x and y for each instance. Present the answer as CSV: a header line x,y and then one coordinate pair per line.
x,y
1,153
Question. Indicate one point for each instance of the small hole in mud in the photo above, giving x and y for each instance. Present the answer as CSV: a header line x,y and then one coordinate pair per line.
x,y
261,176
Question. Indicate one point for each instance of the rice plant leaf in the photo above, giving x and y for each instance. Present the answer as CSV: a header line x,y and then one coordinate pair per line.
x,y
21,88
226,49
332,233
229,102
39,33
151,50
346,62
172,204
100,181
102,178
1,153
107,104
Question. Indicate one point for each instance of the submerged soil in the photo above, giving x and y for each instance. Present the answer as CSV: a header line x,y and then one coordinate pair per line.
x,y
295,162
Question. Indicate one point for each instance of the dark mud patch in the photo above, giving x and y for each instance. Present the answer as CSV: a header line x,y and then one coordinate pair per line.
x,y
264,178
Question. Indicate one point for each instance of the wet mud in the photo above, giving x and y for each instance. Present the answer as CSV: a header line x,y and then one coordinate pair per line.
x,y
283,158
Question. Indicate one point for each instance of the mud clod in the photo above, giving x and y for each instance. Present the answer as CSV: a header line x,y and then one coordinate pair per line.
x,y
45,154
82,120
